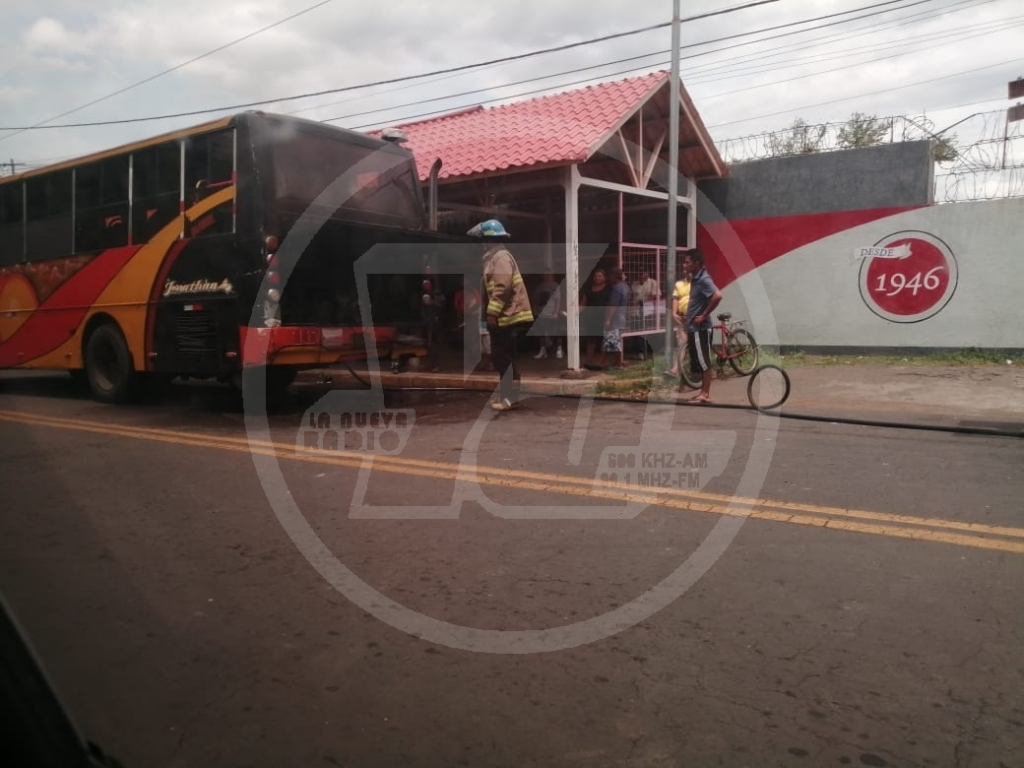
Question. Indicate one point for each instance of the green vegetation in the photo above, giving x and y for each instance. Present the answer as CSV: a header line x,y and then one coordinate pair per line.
x,y
639,380
963,357
642,380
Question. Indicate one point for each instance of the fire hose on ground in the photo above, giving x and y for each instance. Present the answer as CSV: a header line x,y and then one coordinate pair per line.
x,y
770,409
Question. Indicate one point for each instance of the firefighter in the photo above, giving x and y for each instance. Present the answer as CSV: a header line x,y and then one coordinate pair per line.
x,y
507,307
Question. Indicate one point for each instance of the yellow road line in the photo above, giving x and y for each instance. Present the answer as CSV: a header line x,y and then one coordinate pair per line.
x,y
884,524
556,482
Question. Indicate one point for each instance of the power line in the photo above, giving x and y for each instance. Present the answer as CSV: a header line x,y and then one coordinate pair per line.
x,y
843,36
389,81
505,59
52,160
168,71
789,48
870,93
658,53
684,47
958,33
772,114
445,110
798,23
709,52
499,63
969,104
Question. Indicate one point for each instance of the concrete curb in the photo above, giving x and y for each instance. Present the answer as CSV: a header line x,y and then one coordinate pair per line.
x,y
479,382
800,407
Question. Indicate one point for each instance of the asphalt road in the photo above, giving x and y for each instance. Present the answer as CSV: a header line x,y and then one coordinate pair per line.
x,y
205,593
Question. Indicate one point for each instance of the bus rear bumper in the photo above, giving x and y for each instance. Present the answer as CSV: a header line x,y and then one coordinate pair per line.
x,y
312,346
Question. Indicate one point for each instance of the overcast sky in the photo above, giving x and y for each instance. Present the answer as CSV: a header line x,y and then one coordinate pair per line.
x,y
61,54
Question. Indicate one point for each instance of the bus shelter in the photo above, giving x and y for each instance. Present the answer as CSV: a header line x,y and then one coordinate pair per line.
x,y
580,180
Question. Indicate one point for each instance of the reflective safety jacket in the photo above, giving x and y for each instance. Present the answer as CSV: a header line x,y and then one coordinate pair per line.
x,y
506,293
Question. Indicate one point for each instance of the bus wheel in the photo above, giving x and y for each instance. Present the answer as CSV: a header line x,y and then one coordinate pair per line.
x,y
108,365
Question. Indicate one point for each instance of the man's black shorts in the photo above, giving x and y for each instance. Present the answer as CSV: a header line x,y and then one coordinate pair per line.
x,y
698,345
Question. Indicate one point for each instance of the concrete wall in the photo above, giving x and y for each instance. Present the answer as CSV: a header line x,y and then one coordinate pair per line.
x,y
957,285
899,174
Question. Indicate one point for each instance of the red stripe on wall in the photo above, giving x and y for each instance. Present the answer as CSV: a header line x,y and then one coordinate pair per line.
x,y
734,248
57,318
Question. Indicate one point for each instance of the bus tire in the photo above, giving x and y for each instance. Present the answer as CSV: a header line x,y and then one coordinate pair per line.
x,y
108,365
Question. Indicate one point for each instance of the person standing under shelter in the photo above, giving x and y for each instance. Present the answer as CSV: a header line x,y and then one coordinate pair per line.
x,y
593,306
680,303
645,293
704,298
643,309
507,307
548,298
615,319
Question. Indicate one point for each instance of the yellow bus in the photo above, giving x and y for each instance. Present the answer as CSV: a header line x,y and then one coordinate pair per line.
x,y
159,259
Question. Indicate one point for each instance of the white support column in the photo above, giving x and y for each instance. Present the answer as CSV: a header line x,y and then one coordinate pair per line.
x,y
572,267
691,214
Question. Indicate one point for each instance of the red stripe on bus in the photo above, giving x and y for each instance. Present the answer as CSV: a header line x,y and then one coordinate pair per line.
x,y
54,321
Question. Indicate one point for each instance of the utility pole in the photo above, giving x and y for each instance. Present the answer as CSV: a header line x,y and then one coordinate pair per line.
x,y
673,174
1015,90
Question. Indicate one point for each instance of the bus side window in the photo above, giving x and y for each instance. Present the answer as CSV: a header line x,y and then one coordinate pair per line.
x,y
156,179
209,167
101,205
49,230
12,225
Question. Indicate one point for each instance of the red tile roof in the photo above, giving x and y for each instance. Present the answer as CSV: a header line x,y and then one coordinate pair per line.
x,y
561,128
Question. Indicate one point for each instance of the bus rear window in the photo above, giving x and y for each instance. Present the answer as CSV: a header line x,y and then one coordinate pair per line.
x,y
373,181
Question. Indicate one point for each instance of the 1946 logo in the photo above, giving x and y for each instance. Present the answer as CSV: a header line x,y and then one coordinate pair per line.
x,y
908,276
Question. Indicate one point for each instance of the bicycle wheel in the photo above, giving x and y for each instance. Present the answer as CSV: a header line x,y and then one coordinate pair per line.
x,y
742,351
686,374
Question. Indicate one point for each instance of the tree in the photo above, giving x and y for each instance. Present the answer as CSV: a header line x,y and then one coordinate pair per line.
x,y
800,138
862,131
944,150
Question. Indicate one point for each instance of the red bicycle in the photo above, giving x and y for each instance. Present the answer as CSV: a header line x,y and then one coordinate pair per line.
x,y
737,346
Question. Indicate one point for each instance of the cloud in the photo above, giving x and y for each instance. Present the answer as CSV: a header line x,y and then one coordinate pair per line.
x,y
68,53
48,35
13,93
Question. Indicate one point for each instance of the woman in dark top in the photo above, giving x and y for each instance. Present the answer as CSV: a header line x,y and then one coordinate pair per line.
x,y
593,300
